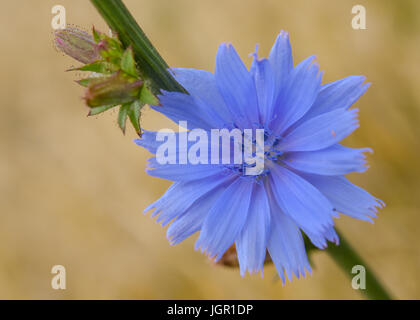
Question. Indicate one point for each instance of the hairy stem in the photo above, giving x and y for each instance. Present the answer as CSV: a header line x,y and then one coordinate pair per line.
x,y
151,65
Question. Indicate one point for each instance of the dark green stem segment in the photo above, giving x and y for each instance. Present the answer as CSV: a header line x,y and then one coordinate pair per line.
x,y
155,69
347,258
152,67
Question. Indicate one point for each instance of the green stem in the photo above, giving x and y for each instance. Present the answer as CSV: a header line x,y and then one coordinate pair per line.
x,y
152,67
155,69
347,258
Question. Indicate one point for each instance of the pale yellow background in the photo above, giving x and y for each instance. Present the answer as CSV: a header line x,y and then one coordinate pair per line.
x,y
72,188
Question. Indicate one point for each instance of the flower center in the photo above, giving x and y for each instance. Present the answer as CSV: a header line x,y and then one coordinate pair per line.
x,y
258,153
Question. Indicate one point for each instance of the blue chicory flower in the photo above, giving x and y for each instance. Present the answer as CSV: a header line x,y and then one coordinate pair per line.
x,y
303,185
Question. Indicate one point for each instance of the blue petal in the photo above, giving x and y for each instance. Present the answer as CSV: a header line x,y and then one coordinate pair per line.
x,y
192,219
149,142
180,171
300,92
236,86
346,197
182,195
281,60
320,241
251,244
321,132
285,244
265,85
202,84
335,160
337,95
183,107
183,172
301,201
226,219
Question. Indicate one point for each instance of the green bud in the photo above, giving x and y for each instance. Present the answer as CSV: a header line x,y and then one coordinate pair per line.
x,y
77,44
113,90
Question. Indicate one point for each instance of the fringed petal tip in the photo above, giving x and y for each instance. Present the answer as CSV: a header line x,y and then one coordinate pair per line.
x,y
151,206
284,34
286,273
251,272
255,53
372,211
205,250
282,37
138,142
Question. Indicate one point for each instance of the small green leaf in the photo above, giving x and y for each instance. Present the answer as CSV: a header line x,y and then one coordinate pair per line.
x,y
147,97
134,115
96,35
114,43
122,116
93,80
84,82
98,66
128,65
97,110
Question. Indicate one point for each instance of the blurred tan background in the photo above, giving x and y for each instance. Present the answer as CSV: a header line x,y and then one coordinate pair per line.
x,y
73,188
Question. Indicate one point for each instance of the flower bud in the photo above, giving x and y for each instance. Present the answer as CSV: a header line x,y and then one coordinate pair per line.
x,y
77,44
113,90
